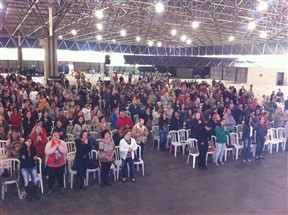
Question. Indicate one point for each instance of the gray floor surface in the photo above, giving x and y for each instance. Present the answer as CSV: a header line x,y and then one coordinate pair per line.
x,y
170,186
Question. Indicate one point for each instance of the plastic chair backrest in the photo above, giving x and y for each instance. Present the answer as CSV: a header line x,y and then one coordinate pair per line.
x,y
234,139
39,165
70,159
71,146
213,140
138,152
12,165
281,133
192,143
173,136
117,153
2,143
93,154
274,133
71,137
183,135
228,140
114,131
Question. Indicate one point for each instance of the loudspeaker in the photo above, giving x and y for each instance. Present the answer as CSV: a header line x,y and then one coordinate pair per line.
x,y
107,59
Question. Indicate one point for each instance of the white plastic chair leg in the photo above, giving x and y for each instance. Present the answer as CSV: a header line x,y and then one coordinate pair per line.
x,y
3,191
99,177
188,158
143,169
225,156
175,151
194,161
64,181
71,181
271,147
277,147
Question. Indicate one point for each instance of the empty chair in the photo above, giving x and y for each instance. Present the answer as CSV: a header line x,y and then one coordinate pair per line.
x,y
192,150
272,140
211,148
39,174
282,137
71,167
12,168
183,135
2,143
71,137
228,148
156,137
239,130
234,140
139,161
174,141
117,161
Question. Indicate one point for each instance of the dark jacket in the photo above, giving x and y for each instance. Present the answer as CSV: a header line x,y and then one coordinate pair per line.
x,y
246,131
202,135
195,126
28,126
175,124
261,132
163,124
26,160
82,150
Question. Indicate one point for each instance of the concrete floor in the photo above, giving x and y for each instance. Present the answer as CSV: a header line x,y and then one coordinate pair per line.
x,y
170,186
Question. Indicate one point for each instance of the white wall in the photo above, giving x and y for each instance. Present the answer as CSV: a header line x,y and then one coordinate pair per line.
x,y
265,76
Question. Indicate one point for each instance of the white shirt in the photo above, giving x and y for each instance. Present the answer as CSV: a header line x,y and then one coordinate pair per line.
x,y
124,148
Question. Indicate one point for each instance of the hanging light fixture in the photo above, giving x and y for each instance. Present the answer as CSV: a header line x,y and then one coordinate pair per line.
x,y
99,26
231,38
173,32
195,24
99,14
159,7
123,33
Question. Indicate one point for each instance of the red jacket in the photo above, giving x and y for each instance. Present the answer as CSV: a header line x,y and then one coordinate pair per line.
x,y
39,145
16,120
123,121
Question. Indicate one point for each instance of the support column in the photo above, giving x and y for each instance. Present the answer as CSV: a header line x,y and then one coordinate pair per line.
x,y
20,55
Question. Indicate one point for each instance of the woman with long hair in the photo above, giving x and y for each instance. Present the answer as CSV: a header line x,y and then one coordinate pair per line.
x,y
78,127
46,122
83,148
16,120
195,124
221,132
247,135
261,131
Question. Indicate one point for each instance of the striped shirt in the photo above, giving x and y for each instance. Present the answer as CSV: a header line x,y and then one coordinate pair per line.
x,y
106,151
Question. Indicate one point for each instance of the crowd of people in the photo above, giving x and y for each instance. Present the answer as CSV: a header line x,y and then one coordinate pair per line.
x,y
36,120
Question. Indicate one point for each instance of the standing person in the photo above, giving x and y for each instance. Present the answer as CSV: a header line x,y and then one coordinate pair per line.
x,y
221,132
16,120
28,168
229,120
83,148
127,147
163,130
202,140
175,122
28,124
261,131
196,124
106,153
247,136
46,122
55,151
140,133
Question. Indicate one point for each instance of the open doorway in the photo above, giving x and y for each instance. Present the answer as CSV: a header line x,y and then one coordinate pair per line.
x,y
280,78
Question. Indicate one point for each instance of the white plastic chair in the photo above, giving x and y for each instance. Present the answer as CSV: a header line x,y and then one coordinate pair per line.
x,y
39,174
70,161
174,141
71,146
117,161
71,137
228,149
139,161
234,140
272,140
2,143
282,137
127,112
193,150
93,155
183,135
239,130
211,148
155,133
13,167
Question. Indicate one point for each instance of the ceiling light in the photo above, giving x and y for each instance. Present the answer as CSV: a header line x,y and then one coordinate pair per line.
x,y
138,39
183,38
159,44
251,26
1,5
99,26
195,24
60,37
231,38
188,41
99,14
159,7
150,43
113,41
263,5
99,37
123,33
73,32
173,32
263,34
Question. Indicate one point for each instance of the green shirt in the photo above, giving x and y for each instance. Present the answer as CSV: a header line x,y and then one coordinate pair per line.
x,y
221,134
